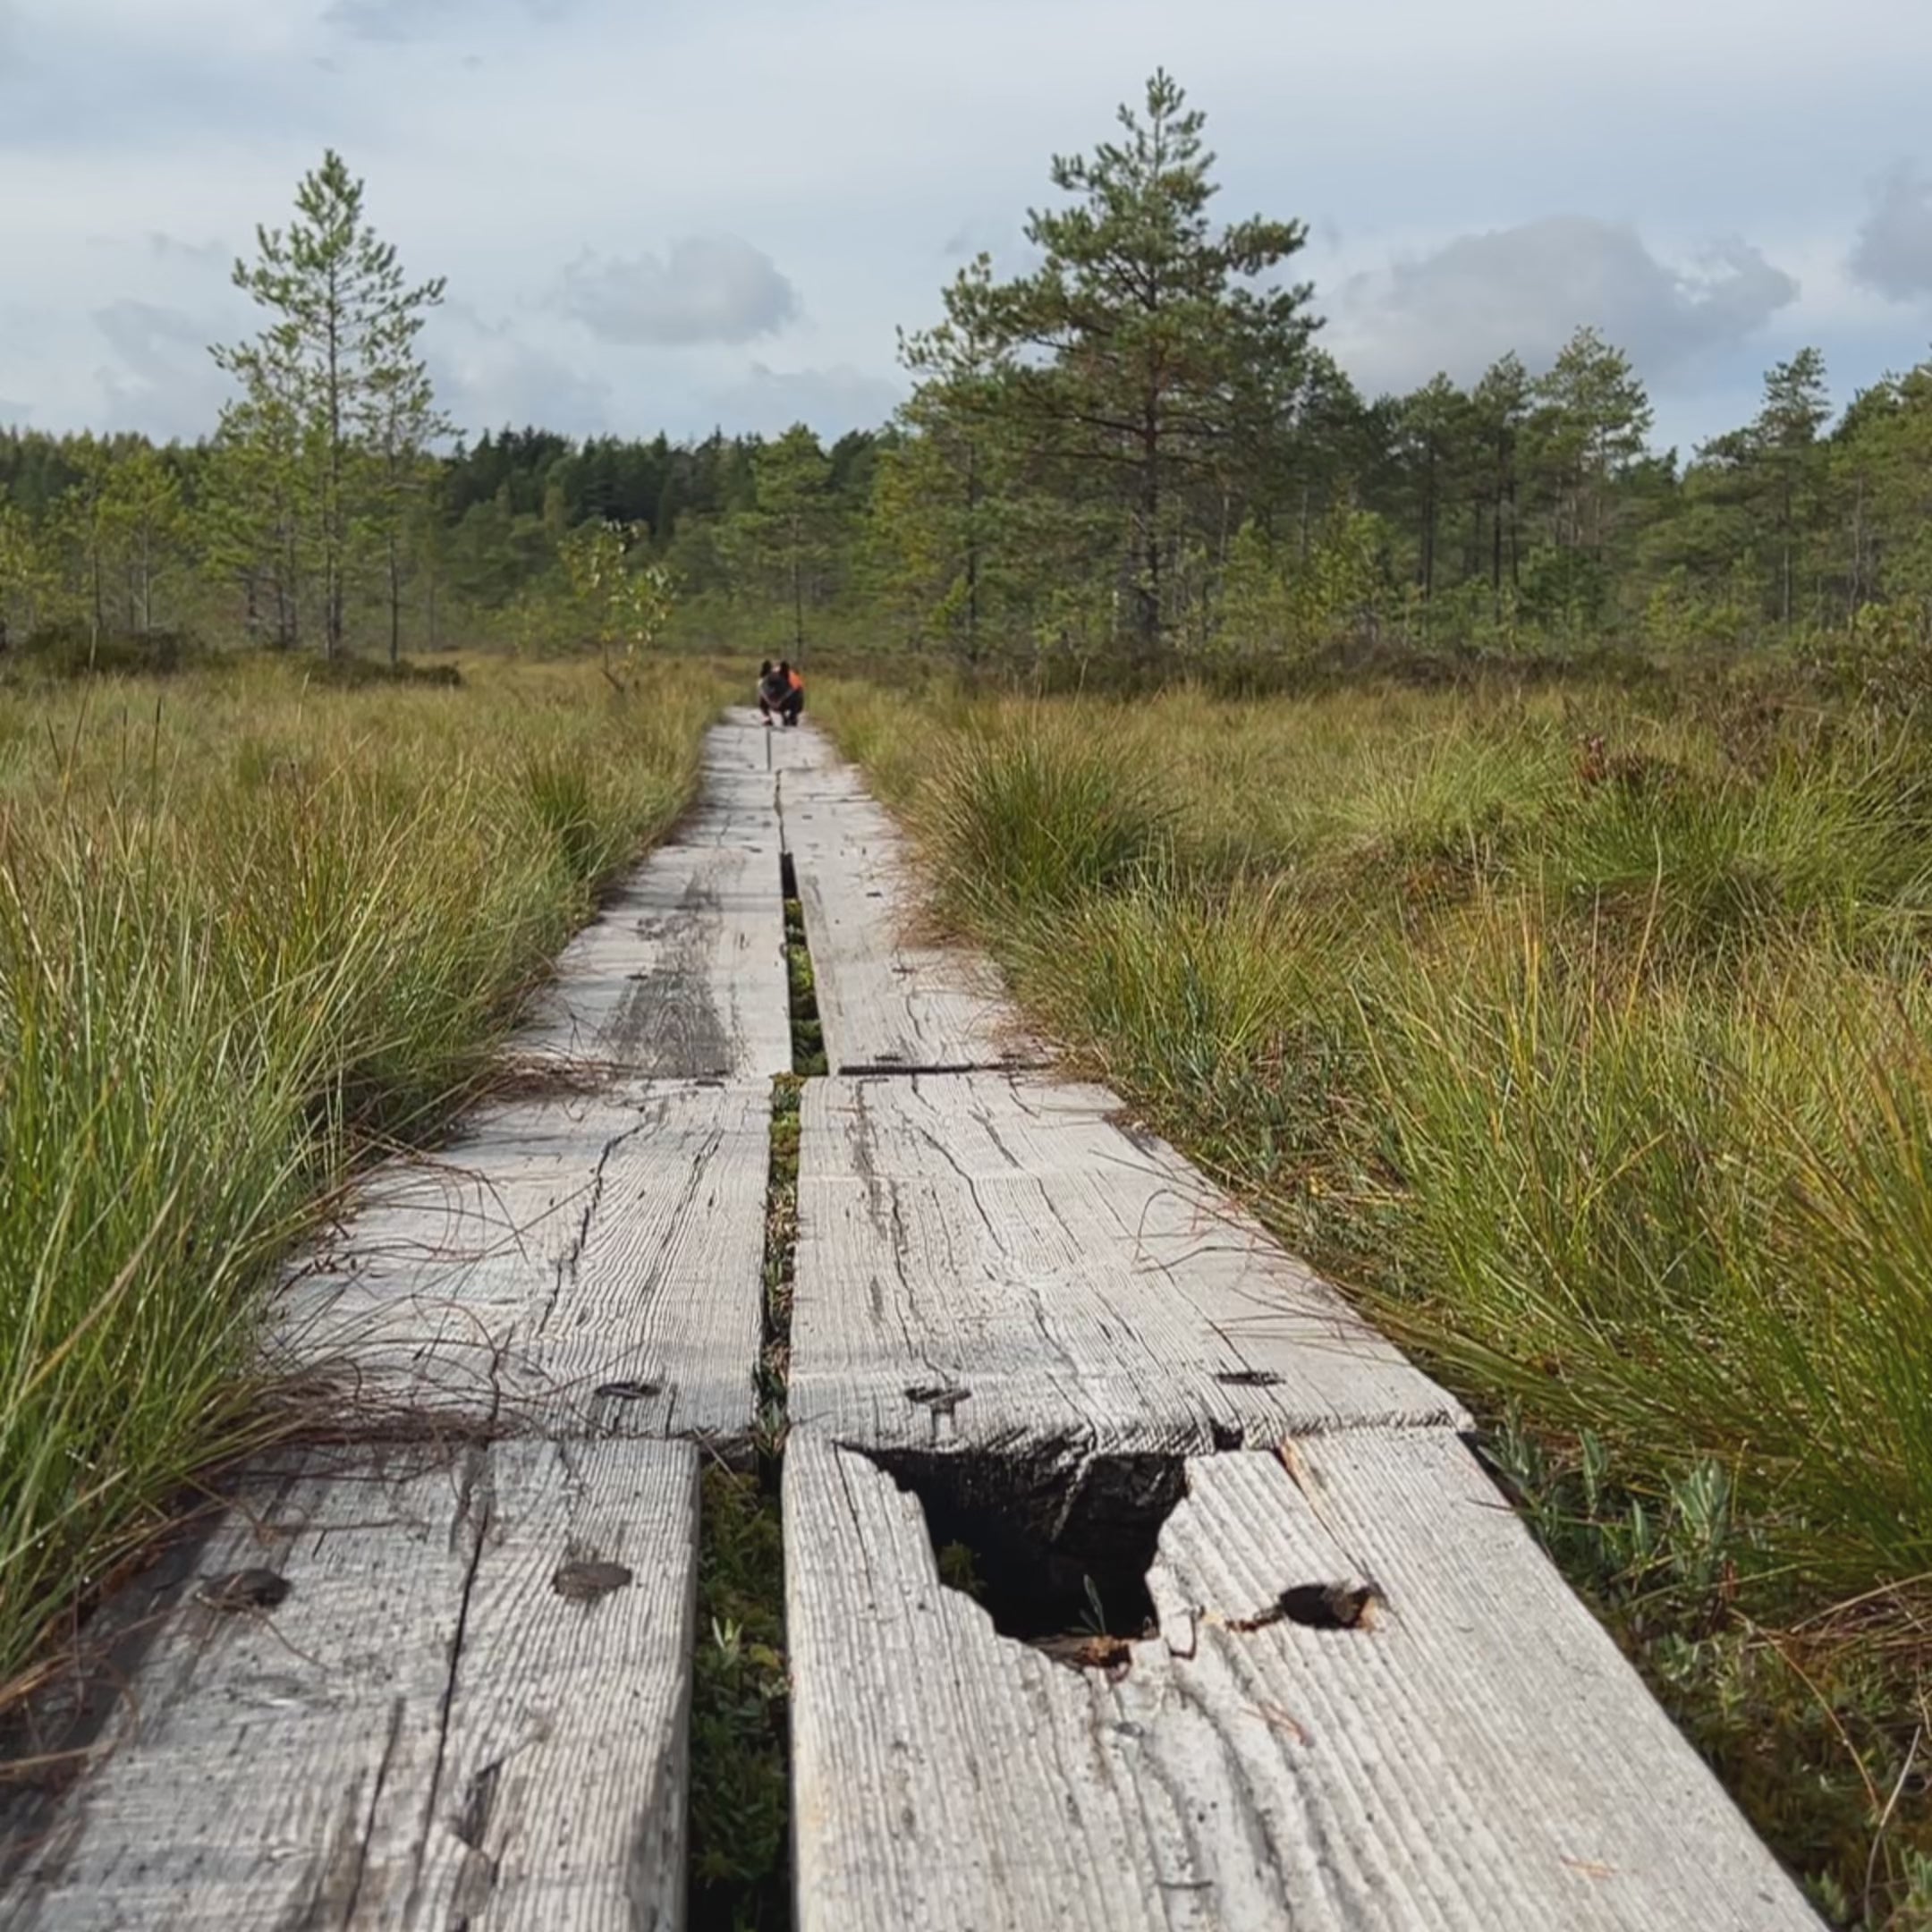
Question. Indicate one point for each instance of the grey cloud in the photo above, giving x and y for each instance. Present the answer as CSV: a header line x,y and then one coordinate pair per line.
x,y
166,382
1893,255
831,399
15,415
386,20
1530,288
198,254
411,19
485,374
706,289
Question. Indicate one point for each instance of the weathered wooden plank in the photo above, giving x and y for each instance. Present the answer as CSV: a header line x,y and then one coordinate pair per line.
x,y
885,1004
887,1000
470,1708
682,976
1476,1756
588,1263
737,800
988,1260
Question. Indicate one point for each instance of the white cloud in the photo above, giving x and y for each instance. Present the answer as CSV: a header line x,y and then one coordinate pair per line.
x,y
1893,254
705,288
411,19
832,400
1528,288
167,248
488,375
851,138
163,380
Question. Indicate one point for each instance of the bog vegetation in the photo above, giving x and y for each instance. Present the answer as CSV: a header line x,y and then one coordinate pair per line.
x,y
251,930
1542,944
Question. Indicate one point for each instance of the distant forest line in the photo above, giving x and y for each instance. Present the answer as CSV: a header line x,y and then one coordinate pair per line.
x,y
1138,455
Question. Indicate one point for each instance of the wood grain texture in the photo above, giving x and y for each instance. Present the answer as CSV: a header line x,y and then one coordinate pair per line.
x,y
887,1001
986,1260
683,975
588,1264
1479,1758
426,1731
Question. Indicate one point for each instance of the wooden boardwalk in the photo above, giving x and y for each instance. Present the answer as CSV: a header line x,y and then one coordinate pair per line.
x,y
444,1679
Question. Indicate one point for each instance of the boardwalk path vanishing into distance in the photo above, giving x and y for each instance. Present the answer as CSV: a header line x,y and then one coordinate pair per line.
x,y
1252,1642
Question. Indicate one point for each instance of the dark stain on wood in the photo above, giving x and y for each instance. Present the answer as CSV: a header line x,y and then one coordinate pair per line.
x,y
586,1582
629,1391
940,1399
247,1590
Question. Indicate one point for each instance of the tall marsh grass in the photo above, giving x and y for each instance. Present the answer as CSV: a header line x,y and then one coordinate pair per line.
x,y
249,933
1589,1041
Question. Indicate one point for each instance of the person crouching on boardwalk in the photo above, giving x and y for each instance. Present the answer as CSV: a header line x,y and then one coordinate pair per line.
x,y
793,703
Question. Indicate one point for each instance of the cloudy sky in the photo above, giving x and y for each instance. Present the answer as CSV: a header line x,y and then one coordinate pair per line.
x,y
684,213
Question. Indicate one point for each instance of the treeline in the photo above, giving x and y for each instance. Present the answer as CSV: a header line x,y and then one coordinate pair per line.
x,y
1137,454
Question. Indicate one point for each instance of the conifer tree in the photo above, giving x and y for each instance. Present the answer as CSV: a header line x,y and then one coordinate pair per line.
x,y
335,400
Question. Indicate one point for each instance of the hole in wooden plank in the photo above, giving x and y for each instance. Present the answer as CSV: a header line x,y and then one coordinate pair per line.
x,y
1248,1378
1055,1551
1330,1606
473,1822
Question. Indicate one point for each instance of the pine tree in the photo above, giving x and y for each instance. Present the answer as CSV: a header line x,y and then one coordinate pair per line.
x,y
787,532
1435,431
400,424
948,493
1592,420
1499,407
335,374
1788,460
1142,354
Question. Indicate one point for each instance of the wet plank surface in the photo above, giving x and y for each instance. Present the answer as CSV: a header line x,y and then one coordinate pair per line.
x,y
467,1706
985,1260
1475,1757
578,1264
682,973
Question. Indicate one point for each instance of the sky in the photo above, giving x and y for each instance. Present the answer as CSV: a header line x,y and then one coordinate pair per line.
x,y
689,214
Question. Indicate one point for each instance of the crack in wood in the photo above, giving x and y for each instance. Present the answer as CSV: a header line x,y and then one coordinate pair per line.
x,y
320,1903
475,1503
571,1260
